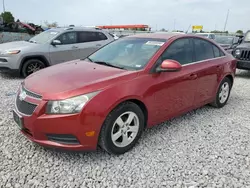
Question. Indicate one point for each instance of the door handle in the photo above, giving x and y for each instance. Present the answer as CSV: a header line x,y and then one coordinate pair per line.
x,y
74,47
193,76
98,45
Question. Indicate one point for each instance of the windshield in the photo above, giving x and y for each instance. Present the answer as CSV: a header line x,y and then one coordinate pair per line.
x,y
247,37
44,37
128,53
224,40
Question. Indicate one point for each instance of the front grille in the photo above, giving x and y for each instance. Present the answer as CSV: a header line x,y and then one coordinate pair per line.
x,y
245,55
25,107
63,139
31,94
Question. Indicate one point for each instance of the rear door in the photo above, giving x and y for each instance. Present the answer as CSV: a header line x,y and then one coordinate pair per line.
x,y
89,42
209,65
66,51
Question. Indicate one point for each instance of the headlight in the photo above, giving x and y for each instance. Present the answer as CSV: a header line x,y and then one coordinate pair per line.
x,y
237,52
10,52
69,106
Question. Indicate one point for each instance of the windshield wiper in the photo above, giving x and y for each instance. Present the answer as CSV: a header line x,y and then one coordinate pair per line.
x,y
107,64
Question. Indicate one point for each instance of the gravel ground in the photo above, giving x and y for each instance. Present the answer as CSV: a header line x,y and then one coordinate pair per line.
x,y
205,148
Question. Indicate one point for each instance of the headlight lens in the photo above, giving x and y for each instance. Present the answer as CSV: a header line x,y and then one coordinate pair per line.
x,y
69,106
10,52
237,52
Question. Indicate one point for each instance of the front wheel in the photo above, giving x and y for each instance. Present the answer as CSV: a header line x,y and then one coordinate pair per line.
x,y
122,128
223,93
32,66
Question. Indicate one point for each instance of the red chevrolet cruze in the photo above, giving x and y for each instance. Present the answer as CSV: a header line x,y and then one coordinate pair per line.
x,y
109,98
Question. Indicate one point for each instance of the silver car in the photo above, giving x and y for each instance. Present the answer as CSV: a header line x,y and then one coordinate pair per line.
x,y
51,47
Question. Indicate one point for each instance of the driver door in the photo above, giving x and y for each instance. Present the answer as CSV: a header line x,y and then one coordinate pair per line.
x,y
174,92
66,51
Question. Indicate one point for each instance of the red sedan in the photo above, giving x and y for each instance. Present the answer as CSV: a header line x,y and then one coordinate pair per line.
x,y
109,98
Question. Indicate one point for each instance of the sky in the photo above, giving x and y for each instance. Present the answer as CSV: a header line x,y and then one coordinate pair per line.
x,y
168,14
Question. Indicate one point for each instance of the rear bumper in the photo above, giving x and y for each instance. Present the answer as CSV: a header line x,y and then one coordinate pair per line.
x,y
245,65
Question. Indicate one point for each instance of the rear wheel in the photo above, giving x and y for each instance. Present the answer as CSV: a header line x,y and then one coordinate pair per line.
x,y
223,93
122,128
31,66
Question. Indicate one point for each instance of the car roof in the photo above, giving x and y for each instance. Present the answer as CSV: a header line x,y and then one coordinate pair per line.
x,y
155,35
75,29
224,36
204,33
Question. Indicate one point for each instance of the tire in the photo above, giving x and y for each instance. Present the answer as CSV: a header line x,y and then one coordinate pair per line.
x,y
27,67
110,129
222,94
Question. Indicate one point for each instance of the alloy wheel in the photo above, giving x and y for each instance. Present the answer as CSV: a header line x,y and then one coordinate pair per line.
x,y
125,129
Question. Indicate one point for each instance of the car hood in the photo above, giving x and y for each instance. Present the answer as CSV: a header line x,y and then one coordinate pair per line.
x,y
15,45
225,45
244,45
74,78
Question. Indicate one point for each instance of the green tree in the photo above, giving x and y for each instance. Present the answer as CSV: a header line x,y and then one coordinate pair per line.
x,y
7,17
239,32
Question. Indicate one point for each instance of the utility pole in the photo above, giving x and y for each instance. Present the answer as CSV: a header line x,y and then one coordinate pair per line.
x,y
174,24
226,20
3,6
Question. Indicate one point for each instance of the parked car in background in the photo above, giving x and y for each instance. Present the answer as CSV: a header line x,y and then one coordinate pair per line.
x,y
114,35
207,35
227,42
242,53
51,47
110,97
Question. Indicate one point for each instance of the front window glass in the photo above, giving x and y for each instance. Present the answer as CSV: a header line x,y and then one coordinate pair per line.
x,y
224,40
67,38
45,36
180,50
128,53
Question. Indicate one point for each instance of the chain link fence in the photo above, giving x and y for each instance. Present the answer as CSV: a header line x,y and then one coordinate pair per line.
x,y
11,36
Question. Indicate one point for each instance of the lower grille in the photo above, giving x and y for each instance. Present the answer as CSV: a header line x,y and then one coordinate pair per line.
x,y
25,107
245,55
27,131
63,139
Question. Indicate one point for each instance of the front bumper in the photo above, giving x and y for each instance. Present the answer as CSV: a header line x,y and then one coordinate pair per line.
x,y
245,65
68,132
9,63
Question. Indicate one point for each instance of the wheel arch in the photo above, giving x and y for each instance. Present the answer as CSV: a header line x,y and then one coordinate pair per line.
x,y
135,100
230,77
39,57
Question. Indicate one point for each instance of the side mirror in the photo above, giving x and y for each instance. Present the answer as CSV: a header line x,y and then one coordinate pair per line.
x,y
169,65
56,42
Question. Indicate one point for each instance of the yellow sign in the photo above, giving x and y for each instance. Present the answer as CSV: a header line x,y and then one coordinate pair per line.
x,y
197,27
